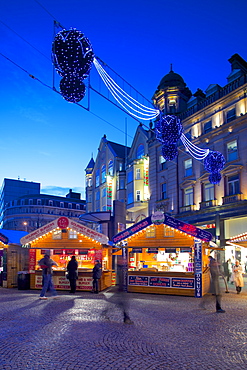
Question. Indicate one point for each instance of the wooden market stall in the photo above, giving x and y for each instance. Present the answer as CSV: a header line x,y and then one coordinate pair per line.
x,y
166,256
63,238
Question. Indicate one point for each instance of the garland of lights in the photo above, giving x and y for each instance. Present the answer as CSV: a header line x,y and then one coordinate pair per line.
x,y
72,56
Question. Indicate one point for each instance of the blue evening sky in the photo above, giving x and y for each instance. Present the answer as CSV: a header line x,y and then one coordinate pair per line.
x,y
48,140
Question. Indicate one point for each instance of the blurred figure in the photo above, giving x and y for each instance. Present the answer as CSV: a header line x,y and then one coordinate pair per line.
x,y
97,272
227,266
120,296
214,285
238,276
72,268
46,264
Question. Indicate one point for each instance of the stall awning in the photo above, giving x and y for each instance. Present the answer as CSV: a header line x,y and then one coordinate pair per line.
x,y
238,240
96,216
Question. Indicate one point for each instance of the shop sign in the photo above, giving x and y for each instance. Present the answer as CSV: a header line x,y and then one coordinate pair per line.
x,y
158,218
57,251
85,283
98,255
183,283
136,250
153,250
83,252
132,230
138,280
69,251
198,267
159,281
32,261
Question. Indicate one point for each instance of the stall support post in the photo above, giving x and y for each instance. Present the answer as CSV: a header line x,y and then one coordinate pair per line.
x,y
125,268
198,268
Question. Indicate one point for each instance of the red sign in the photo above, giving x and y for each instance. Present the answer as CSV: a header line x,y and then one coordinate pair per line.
x,y
32,261
63,222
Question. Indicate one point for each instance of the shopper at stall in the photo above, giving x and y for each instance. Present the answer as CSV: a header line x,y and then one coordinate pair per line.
x,y
238,276
97,272
72,269
46,264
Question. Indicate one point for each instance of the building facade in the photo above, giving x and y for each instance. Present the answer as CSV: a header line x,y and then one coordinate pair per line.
x,y
24,208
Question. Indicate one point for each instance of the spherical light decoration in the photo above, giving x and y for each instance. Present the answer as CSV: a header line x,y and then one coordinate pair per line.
x,y
72,53
168,130
72,89
214,162
169,152
214,178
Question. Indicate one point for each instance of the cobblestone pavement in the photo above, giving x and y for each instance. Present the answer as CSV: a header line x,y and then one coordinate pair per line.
x,y
169,332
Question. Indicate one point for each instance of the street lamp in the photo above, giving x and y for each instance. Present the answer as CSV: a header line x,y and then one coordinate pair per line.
x,y
25,224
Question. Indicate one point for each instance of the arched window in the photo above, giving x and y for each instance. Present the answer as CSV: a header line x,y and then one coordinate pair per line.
x,y
140,151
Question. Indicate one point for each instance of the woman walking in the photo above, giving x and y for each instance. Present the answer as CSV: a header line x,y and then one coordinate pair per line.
x,y
238,276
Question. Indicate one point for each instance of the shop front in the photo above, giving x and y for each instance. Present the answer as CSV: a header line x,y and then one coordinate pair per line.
x,y
61,239
238,245
166,256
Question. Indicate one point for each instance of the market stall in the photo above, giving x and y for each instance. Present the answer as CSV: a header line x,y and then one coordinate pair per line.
x,y
61,239
166,256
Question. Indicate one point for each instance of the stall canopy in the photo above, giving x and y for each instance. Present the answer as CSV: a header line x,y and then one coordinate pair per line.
x,y
64,223
161,218
238,240
11,236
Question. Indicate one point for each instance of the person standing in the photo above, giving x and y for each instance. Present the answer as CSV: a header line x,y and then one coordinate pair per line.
x,y
72,269
97,272
227,269
46,264
238,276
215,284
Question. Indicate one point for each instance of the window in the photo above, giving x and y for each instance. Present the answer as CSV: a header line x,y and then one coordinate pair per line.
x,y
138,195
231,115
130,198
188,196
110,168
72,234
97,195
162,162
208,192
168,231
232,150
130,176
30,202
89,198
103,192
38,202
70,205
233,185
50,203
61,204
138,173
57,234
163,191
97,178
103,174
89,181
77,206
207,127
121,184
188,167
140,151
151,232
120,166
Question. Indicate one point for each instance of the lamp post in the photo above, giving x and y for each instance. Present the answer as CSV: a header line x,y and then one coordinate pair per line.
x,y
25,224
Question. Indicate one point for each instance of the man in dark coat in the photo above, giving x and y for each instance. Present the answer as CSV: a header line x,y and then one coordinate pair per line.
x,y
97,272
72,268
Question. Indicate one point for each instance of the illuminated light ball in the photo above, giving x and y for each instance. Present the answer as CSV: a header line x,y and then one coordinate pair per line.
x,y
72,53
168,129
214,178
214,162
169,152
72,89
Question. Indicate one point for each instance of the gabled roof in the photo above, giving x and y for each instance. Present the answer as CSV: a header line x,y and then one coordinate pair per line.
x,y
119,150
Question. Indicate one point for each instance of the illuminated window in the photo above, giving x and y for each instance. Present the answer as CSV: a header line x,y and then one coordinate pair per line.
x,y
103,174
188,167
57,234
151,232
233,185
72,234
162,162
168,231
232,150
138,173
110,168
188,196
140,151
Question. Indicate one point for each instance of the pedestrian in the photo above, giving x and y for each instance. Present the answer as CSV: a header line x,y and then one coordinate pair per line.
x,y
46,264
227,266
72,270
120,296
214,285
97,272
238,276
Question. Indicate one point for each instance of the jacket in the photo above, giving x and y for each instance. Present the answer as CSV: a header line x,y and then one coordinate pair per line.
x,y
72,268
97,272
46,264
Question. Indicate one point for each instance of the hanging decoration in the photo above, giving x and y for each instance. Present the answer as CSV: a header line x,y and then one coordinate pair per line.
x,y
72,57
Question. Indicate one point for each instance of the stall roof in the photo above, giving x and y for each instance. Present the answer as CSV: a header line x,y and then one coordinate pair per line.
x,y
161,218
13,236
239,240
96,216
64,223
